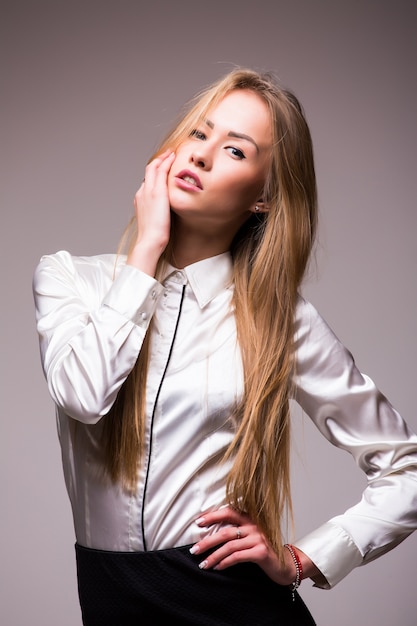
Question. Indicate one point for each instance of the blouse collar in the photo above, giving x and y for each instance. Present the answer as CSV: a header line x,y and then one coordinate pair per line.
x,y
207,278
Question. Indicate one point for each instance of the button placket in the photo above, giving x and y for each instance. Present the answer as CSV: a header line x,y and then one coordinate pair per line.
x,y
168,320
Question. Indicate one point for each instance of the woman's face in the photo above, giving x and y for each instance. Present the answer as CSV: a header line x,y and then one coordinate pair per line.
x,y
219,172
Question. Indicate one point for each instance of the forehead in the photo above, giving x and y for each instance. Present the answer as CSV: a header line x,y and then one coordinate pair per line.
x,y
243,111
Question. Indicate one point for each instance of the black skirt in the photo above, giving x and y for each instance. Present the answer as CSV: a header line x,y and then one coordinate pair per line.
x,y
145,588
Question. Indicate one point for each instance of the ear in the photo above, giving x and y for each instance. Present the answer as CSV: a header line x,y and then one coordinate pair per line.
x,y
260,207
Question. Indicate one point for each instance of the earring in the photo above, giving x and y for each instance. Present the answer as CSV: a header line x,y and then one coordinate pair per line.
x,y
257,209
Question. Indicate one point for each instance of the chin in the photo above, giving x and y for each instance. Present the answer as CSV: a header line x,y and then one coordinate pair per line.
x,y
180,210
179,204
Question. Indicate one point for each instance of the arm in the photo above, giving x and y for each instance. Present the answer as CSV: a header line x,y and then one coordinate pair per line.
x,y
353,415
91,328
153,215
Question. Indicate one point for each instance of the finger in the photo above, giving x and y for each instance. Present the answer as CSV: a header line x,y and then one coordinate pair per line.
x,y
156,173
162,169
224,515
235,557
138,196
156,163
230,553
212,559
228,538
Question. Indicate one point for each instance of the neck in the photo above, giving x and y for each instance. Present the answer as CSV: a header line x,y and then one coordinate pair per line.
x,y
190,246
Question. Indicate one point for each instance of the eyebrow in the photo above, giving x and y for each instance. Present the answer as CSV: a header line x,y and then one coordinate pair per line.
x,y
233,133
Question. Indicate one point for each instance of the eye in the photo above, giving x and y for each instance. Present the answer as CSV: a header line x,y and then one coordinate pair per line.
x,y
235,152
198,134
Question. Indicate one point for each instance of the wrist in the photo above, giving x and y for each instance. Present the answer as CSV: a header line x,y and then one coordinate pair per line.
x,y
144,256
295,557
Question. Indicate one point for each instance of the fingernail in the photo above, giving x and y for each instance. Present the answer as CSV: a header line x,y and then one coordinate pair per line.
x,y
203,564
195,549
200,520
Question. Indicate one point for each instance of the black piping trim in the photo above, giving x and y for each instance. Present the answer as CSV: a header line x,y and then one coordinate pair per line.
x,y
152,420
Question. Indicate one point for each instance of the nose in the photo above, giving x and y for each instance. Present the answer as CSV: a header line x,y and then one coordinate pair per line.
x,y
201,156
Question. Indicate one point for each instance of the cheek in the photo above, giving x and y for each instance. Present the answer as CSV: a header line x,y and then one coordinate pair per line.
x,y
247,190
182,152
176,167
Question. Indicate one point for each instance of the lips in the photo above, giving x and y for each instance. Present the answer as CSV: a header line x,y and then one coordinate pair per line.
x,y
189,178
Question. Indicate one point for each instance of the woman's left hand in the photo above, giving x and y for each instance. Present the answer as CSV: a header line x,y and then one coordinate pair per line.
x,y
240,541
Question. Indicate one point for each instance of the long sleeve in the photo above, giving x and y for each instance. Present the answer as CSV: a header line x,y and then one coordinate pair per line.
x,y
91,326
91,323
353,415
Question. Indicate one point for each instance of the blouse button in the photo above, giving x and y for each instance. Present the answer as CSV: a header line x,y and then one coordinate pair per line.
x,y
144,316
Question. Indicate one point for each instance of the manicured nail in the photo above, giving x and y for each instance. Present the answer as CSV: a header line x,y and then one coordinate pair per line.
x,y
200,520
203,564
195,549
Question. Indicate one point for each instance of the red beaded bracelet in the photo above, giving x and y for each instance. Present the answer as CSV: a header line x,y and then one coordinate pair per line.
x,y
298,568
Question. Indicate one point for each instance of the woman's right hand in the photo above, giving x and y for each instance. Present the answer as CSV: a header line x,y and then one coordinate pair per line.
x,y
152,210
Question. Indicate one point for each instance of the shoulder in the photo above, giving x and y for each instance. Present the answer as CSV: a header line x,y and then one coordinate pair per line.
x,y
318,348
64,262
63,268
306,314
310,326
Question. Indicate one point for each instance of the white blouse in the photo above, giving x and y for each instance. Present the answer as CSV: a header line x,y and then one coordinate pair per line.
x,y
92,315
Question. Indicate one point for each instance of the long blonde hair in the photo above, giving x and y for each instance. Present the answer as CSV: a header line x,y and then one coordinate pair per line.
x,y
270,254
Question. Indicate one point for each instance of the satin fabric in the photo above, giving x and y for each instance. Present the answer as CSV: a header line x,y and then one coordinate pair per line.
x,y
92,315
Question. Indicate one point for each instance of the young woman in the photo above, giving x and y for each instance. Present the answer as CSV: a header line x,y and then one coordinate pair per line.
x,y
172,368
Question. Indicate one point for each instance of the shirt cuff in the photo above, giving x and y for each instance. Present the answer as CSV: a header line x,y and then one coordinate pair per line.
x,y
134,295
333,551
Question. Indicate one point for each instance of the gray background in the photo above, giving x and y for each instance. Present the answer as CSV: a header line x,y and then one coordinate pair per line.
x,y
87,90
